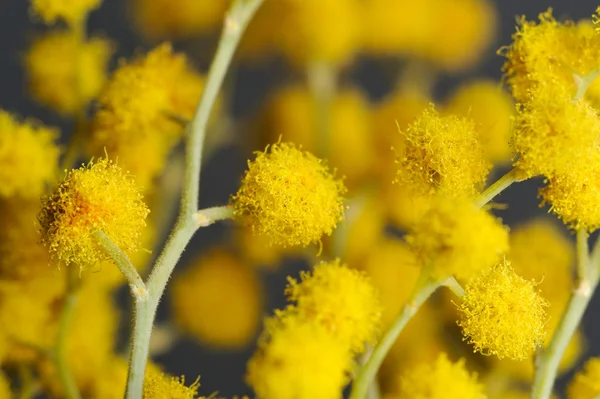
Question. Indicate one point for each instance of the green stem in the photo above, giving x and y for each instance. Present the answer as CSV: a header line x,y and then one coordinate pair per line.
x,y
584,82
454,286
423,290
59,355
239,15
548,360
206,217
498,186
136,284
322,78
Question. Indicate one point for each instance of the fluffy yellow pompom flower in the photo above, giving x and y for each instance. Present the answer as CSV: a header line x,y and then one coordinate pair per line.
x,y
441,380
492,109
503,314
71,11
586,383
28,157
456,238
168,19
99,196
290,196
64,74
298,360
554,134
341,299
158,385
442,153
218,300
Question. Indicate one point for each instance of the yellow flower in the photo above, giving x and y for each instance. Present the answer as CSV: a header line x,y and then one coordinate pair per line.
x,y
166,19
586,384
492,109
502,314
341,299
158,385
298,360
5,391
64,74
455,238
449,34
99,196
290,114
71,11
442,153
28,157
289,196
441,380
258,251
218,300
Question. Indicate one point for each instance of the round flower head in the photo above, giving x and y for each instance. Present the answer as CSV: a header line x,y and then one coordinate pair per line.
x,y
298,360
442,153
586,383
218,300
158,385
502,314
441,380
28,157
71,11
553,134
456,238
99,196
166,19
290,196
53,75
341,299
492,109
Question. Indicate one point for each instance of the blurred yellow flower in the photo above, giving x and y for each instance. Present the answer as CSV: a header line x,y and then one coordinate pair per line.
x,y
65,74
71,11
586,383
5,391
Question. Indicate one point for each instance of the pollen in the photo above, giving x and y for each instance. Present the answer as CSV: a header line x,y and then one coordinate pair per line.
x,y
455,238
58,82
28,157
444,154
586,383
290,196
98,196
298,360
341,299
503,314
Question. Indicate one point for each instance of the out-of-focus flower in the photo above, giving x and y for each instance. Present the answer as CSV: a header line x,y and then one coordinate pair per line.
x,y
218,300
71,11
65,74
586,384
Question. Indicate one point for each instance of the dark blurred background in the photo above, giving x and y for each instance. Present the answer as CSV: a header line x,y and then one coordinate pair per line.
x,y
220,177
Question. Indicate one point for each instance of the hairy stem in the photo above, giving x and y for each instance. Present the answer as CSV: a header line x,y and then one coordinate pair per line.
x,y
548,360
206,217
59,355
239,15
423,290
498,186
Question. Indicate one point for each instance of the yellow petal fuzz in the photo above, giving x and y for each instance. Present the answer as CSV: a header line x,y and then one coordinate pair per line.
x,y
492,109
177,19
586,383
158,385
502,314
299,361
455,238
341,299
290,196
99,196
28,157
71,11
218,300
442,153
442,379
53,74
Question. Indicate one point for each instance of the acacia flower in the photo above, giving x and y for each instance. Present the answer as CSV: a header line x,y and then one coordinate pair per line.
x,y
99,196
586,383
28,157
442,153
502,314
298,360
71,11
290,196
341,299
58,82
158,385
5,391
441,380
456,238
218,300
